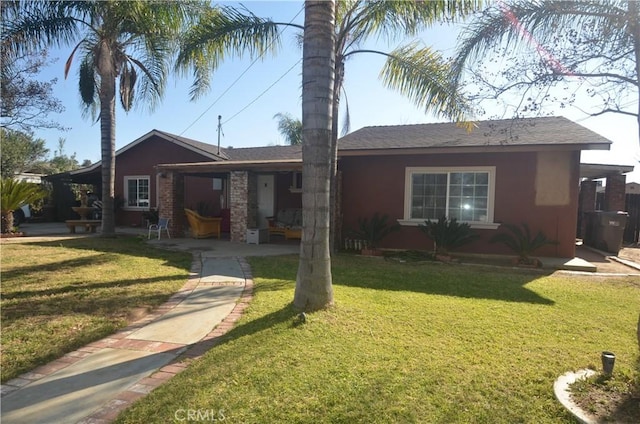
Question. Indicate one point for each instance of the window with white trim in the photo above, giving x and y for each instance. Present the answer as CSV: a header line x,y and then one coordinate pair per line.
x,y
136,190
464,193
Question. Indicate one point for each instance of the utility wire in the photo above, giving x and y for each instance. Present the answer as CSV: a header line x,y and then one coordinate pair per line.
x,y
264,92
238,79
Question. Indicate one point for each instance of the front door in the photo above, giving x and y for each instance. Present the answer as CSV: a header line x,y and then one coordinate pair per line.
x,y
266,198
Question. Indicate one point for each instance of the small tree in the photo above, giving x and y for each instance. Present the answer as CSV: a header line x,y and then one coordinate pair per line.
x,y
14,194
21,152
540,44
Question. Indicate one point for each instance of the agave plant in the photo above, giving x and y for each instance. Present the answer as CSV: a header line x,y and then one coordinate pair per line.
x,y
14,194
520,240
448,234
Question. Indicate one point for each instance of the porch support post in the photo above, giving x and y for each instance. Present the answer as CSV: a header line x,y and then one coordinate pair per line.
x,y
614,193
239,205
587,203
171,194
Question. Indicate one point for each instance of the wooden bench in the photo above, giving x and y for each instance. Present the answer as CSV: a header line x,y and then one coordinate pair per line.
x,y
88,224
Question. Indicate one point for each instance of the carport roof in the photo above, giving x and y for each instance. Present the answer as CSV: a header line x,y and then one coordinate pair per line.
x,y
594,171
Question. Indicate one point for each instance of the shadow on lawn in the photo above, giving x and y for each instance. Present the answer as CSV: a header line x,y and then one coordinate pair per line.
x,y
444,279
249,328
121,244
430,278
25,270
111,305
84,286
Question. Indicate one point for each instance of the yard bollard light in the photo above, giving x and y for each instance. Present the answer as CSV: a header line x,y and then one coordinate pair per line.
x,y
608,360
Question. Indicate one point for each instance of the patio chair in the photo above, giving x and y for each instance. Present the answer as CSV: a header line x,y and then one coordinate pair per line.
x,y
163,224
202,226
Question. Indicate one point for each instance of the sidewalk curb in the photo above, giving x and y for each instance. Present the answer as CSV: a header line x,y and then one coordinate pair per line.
x,y
563,395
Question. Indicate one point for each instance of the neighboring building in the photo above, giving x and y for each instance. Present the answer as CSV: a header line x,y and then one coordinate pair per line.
x,y
509,171
29,177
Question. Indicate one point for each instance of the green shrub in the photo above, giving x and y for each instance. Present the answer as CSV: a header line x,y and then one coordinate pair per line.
x,y
520,240
374,230
13,194
448,234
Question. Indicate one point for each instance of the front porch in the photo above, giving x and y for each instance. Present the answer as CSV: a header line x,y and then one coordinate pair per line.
x,y
250,192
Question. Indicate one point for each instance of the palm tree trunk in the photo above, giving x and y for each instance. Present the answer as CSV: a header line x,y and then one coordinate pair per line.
x,y
634,28
314,288
337,86
107,138
6,221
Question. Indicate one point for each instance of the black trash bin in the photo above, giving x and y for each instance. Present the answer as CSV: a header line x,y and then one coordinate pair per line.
x,y
605,230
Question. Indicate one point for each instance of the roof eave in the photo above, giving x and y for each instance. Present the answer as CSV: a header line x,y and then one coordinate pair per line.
x,y
474,149
225,166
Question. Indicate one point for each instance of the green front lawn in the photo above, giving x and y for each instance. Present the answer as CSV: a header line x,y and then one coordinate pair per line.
x,y
405,343
60,295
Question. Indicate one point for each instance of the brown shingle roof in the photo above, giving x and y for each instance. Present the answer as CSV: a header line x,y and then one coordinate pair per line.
x,y
206,148
264,153
522,132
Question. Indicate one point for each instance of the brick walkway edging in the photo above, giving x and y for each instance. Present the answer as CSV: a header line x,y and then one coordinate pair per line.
x,y
185,353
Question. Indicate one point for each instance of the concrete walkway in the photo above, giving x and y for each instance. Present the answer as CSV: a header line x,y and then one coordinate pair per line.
x,y
96,382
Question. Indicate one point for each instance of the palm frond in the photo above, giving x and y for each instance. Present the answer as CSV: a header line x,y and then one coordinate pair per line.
x,y
519,239
394,19
14,193
223,31
346,121
422,75
128,78
87,83
31,26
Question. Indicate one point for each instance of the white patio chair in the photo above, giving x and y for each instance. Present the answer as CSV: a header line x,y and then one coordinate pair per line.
x,y
163,224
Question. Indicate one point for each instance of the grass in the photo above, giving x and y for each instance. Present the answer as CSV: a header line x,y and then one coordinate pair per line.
x,y
60,295
405,342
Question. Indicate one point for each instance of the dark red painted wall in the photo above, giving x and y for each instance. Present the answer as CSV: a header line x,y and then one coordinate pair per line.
x,y
376,184
141,159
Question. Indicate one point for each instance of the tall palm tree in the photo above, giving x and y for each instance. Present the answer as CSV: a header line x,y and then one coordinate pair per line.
x,y
314,288
123,44
418,72
603,47
290,128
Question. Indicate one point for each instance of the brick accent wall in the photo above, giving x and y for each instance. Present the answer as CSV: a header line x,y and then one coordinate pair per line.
x,y
238,203
171,195
614,194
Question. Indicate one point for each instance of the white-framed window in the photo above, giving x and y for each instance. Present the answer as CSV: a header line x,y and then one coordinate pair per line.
x,y
136,189
464,193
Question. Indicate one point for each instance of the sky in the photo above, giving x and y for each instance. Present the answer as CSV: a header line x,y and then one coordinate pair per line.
x,y
247,94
